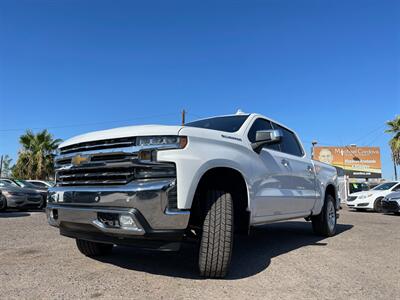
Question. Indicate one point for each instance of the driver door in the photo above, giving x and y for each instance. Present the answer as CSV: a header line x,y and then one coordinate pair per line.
x,y
273,196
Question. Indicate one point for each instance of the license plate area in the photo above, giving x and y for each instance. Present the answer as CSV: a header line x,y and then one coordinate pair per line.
x,y
81,197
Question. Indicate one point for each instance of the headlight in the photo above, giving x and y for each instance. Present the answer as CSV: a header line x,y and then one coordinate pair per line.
x,y
13,193
170,142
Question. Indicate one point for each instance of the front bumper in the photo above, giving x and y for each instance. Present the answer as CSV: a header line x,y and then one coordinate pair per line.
x,y
24,201
79,211
390,206
365,203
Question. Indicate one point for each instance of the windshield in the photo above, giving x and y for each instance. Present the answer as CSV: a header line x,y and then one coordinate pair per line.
x,y
4,184
227,124
358,187
384,186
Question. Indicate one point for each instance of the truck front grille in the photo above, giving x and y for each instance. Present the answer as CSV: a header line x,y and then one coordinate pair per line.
x,y
98,145
106,162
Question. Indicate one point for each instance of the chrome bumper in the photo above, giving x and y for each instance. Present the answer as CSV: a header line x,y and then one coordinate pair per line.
x,y
146,201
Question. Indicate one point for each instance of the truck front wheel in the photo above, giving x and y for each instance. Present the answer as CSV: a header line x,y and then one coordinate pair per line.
x,y
93,249
325,223
217,235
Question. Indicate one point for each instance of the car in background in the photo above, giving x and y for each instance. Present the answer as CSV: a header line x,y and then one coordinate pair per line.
x,y
41,183
3,201
372,198
355,187
391,203
18,197
25,184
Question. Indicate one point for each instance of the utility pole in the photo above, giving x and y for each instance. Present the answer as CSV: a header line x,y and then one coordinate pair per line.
x,y
313,143
395,171
1,165
183,117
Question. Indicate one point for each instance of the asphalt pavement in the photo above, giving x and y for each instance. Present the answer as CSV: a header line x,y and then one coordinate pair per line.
x,y
278,261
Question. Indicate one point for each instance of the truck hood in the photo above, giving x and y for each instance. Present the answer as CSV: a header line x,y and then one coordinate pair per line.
x,y
128,131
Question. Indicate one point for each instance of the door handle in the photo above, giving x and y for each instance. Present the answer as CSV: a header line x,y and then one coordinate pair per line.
x,y
310,169
285,163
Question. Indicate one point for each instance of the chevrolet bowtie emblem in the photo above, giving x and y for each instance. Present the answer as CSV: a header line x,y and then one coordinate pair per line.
x,y
78,160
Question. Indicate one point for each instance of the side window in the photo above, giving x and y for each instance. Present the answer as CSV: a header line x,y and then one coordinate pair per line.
x,y
261,124
396,188
289,143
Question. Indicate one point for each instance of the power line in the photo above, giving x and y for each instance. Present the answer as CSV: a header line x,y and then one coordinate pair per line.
x,y
369,133
88,124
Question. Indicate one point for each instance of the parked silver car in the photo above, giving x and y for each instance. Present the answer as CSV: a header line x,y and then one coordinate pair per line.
x,y
3,201
391,203
25,184
17,197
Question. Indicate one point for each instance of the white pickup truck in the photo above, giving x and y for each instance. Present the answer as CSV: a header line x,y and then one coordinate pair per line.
x,y
155,186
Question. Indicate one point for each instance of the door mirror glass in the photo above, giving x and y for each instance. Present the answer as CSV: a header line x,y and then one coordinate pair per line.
x,y
264,137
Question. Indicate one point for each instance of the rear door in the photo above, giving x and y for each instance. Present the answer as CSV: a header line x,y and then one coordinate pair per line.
x,y
302,182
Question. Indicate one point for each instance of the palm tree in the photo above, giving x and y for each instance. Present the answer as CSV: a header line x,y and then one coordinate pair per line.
x,y
35,159
394,143
5,166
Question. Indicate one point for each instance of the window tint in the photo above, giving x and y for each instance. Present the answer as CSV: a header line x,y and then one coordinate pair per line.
x,y
227,124
40,184
385,186
289,143
396,188
261,124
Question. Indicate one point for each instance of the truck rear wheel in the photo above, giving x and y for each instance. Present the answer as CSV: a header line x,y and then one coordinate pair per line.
x,y
93,249
325,223
217,235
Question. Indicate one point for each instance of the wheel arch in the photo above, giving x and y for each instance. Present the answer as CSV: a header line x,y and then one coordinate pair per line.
x,y
331,190
228,179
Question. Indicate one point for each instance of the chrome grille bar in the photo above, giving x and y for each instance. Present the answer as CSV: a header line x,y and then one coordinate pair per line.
x,y
97,145
103,163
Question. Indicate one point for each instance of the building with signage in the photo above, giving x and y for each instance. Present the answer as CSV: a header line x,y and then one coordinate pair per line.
x,y
357,162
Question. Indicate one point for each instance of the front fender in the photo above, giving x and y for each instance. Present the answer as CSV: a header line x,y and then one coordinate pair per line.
x,y
198,158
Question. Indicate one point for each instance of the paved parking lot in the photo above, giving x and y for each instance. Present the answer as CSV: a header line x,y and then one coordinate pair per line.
x,y
283,260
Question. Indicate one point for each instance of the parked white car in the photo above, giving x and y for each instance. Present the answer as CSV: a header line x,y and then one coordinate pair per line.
x,y
156,186
372,198
41,183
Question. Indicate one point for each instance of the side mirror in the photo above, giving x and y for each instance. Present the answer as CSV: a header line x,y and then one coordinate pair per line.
x,y
266,137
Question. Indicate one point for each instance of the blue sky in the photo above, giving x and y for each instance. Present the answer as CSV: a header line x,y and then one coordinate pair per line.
x,y
328,69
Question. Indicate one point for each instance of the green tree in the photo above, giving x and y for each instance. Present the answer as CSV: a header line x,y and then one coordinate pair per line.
x,y
35,159
6,166
394,143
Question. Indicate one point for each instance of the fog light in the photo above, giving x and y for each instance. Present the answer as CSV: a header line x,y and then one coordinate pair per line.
x,y
54,214
127,221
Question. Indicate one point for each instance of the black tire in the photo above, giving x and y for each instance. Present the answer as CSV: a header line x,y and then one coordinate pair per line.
x,y
217,235
92,248
43,204
3,203
322,223
378,205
